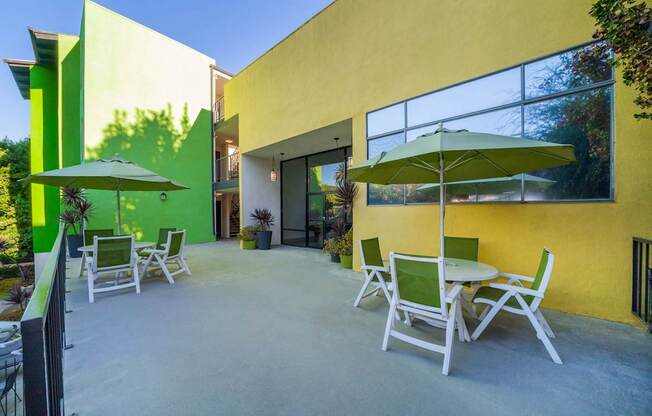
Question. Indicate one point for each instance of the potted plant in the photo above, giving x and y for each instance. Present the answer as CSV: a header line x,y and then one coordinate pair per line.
x,y
345,250
345,193
330,246
77,211
264,220
247,237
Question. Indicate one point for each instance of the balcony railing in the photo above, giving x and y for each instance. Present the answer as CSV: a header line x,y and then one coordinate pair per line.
x,y
218,110
642,280
43,336
227,168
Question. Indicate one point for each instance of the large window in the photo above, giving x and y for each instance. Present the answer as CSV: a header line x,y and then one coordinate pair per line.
x,y
564,98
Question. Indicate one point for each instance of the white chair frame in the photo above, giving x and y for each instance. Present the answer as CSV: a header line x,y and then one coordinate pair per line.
x,y
443,314
162,258
94,272
374,278
514,288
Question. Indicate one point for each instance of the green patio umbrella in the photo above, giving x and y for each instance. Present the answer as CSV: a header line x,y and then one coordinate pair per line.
x,y
447,156
491,185
113,174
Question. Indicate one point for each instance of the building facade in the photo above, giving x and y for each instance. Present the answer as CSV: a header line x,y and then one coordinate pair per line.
x,y
360,77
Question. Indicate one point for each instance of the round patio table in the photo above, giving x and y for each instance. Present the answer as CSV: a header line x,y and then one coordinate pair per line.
x,y
137,246
458,272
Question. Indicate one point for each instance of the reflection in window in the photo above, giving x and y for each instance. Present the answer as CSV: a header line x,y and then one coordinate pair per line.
x,y
494,90
583,120
577,68
384,194
506,122
388,119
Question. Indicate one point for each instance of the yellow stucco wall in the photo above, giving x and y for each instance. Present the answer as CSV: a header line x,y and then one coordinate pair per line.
x,y
358,55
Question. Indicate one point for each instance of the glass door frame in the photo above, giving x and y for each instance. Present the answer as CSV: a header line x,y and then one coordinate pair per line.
x,y
346,153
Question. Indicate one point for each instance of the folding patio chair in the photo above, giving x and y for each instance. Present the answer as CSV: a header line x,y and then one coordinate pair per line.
x,y
88,240
376,274
420,289
465,248
515,298
115,255
163,237
172,252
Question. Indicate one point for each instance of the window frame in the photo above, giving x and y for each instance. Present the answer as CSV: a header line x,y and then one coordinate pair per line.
x,y
522,103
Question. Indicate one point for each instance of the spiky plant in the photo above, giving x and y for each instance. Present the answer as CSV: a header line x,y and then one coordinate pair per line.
x,y
72,196
263,217
345,193
338,228
18,296
70,218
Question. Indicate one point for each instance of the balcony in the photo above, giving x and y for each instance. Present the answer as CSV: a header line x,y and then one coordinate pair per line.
x,y
218,110
227,172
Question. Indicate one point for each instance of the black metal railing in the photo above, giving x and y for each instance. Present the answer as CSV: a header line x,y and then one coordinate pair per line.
x,y
227,167
642,280
43,332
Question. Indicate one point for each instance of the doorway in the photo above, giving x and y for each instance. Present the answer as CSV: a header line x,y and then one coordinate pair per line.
x,y
308,186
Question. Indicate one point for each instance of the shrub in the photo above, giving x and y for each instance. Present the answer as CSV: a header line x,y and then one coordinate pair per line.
x,y
263,218
331,246
345,244
247,233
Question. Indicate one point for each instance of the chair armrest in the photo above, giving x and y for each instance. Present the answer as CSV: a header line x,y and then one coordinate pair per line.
x,y
518,289
513,277
454,293
376,268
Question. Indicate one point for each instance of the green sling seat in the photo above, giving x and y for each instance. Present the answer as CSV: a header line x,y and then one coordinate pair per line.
x,y
376,273
113,255
420,290
465,248
515,298
170,253
88,240
163,237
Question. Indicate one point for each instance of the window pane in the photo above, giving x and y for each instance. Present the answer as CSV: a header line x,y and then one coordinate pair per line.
x,y
384,194
507,122
576,68
498,89
385,120
293,180
324,169
583,120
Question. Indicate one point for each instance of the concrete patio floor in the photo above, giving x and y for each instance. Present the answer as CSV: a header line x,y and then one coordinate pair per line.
x,y
275,333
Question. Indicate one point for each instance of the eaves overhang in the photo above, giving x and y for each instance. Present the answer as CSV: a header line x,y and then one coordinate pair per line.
x,y
44,45
20,70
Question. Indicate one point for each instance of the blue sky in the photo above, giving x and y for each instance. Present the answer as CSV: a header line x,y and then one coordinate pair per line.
x,y
233,32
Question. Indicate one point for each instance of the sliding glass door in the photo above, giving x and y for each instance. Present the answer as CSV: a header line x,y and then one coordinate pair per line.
x,y
308,187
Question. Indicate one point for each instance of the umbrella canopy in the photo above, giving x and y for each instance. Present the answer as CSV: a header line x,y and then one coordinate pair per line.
x,y
459,155
108,174
491,185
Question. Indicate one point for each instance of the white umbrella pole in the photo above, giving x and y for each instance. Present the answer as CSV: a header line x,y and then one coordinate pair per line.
x,y
118,202
442,203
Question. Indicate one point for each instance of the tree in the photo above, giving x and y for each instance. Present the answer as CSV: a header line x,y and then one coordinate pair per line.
x,y
15,197
627,26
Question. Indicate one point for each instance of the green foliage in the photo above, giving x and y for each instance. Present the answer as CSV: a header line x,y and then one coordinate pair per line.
x,y
345,244
330,246
627,26
345,193
15,221
247,233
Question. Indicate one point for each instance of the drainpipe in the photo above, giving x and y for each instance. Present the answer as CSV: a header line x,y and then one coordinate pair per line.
x,y
212,87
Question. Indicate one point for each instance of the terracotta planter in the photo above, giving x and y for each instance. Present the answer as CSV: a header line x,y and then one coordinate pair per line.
x,y
346,261
248,244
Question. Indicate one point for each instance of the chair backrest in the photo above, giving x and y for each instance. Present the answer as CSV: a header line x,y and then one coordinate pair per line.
x,y
10,381
465,248
113,252
163,237
418,282
89,234
542,278
175,243
370,252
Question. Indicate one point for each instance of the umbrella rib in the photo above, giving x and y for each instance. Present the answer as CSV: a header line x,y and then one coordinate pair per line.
x,y
494,164
424,165
550,155
460,160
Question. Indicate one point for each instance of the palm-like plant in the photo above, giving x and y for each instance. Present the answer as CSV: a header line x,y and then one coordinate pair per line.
x,y
345,193
263,217
79,208
72,196
17,295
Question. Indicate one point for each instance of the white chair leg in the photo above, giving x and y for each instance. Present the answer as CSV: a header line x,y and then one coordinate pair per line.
x,y
184,265
388,326
484,313
164,267
383,286
544,323
367,280
136,278
490,316
450,333
541,334
147,263
82,264
468,306
408,318
91,297
461,326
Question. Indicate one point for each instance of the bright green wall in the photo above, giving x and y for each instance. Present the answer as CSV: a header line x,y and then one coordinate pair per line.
x,y
44,155
147,97
69,100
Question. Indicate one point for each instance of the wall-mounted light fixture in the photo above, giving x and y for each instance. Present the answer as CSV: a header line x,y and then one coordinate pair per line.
x,y
163,196
273,175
